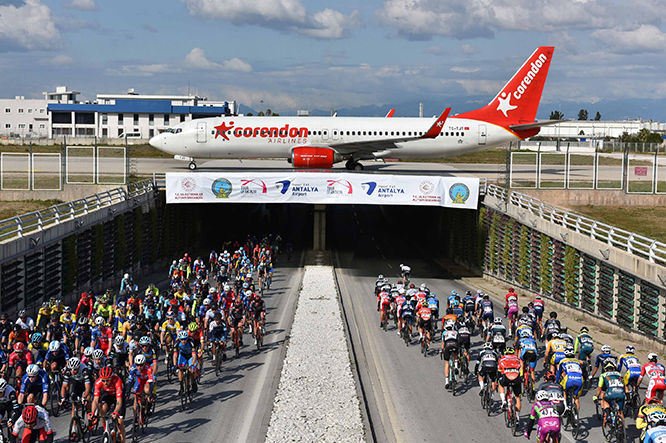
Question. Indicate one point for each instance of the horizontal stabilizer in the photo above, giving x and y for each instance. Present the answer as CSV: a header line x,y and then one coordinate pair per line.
x,y
526,126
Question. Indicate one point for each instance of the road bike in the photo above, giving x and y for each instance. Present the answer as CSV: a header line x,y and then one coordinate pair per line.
x,y
511,415
454,370
486,394
424,344
185,392
633,401
405,332
528,384
219,356
571,416
111,432
78,424
140,420
612,423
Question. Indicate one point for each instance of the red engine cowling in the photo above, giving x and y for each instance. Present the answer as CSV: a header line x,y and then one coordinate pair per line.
x,y
313,157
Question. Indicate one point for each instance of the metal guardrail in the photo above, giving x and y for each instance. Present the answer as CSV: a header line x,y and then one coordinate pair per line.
x,y
20,225
652,250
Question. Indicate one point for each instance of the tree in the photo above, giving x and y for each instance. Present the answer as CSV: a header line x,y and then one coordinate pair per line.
x,y
260,114
597,117
581,132
249,114
583,114
556,115
269,112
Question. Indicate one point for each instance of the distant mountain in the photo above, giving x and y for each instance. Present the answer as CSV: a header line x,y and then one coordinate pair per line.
x,y
622,109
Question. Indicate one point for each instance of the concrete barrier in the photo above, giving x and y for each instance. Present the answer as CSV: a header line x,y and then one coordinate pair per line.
x,y
574,197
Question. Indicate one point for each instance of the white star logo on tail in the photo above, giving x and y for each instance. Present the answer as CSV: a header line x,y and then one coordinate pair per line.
x,y
504,104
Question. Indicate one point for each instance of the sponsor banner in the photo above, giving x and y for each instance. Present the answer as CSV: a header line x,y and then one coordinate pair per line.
x,y
322,188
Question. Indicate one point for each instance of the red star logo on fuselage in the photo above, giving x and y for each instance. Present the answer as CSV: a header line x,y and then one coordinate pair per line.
x,y
222,130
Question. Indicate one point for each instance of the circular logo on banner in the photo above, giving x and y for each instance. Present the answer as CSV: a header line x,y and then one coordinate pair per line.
x,y
459,193
426,187
221,188
188,184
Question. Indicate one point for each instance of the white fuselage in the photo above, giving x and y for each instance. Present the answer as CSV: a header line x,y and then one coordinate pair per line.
x,y
275,137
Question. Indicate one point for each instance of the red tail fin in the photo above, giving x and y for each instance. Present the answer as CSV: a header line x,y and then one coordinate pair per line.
x,y
518,101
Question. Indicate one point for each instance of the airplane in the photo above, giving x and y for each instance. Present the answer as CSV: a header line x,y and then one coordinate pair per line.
x,y
320,142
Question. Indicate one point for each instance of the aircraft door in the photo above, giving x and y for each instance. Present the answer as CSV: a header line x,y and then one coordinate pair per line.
x,y
201,132
324,134
483,135
336,134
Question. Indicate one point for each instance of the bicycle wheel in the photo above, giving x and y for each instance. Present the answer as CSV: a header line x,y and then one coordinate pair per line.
x,y
75,433
620,432
489,401
183,391
575,422
169,375
514,420
136,424
452,378
606,426
218,361
507,412
54,395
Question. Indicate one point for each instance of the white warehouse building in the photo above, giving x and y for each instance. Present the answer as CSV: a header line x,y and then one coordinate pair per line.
x,y
599,128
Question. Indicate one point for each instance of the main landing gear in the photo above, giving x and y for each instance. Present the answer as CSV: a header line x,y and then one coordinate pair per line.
x,y
192,165
353,165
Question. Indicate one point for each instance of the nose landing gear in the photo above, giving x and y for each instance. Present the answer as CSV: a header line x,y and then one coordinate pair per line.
x,y
192,165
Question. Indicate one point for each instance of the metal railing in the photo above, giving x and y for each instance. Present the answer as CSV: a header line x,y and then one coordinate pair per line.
x,y
20,225
652,250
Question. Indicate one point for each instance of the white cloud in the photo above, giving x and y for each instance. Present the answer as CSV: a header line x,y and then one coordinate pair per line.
x,y
254,97
197,59
423,19
141,70
468,49
82,5
644,38
28,27
434,50
564,42
475,87
61,59
283,15
464,70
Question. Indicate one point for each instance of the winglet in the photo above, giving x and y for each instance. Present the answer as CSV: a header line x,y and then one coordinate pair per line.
x,y
390,113
436,127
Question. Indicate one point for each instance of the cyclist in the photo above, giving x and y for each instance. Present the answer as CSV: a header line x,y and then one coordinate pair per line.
x,y
75,381
98,360
552,326
83,334
35,382
469,305
511,369
407,316
119,352
464,328
143,379
24,321
656,434
605,356
451,298
511,309
218,335
55,330
538,306
485,311
19,360
126,283
85,306
486,364
449,349
630,362
43,316
184,358
405,271
546,416
147,351
564,335
8,403
102,335
610,389
554,390
170,329
383,303
68,320
424,317
496,335
584,346
56,357
649,415
433,304
527,348
196,335
108,395
570,375
526,319
38,347
120,317
19,335
236,320
6,327
33,425
656,372
554,352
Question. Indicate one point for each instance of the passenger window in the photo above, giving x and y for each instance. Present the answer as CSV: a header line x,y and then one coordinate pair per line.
x,y
347,132
375,132
457,134
353,132
391,132
410,133
462,134
364,133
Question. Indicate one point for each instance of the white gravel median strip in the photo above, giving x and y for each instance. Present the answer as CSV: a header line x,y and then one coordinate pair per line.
x,y
316,400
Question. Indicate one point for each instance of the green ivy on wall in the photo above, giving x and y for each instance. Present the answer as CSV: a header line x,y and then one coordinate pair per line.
x,y
523,254
506,252
70,263
153,235
120,250
546,264
571,274
493,241
97,252
138,234
482,236
167,230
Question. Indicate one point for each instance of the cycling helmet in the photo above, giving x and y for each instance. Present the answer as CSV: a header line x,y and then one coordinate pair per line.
x,y
563,329
32,370
486,297
509,350
555,335
227,288
424,303
19,347
423,286
468,292
126,276
105,373
88,352
248,293
448,326
449,310
651,400
553,314
144,340
17,327
140,359
542,396
549,376
498,321
212,290
3,384
140,321
36,337
246,285
412,286
99,321
606,349
569,352
98,354
121,305
488,346
630,350
132,318
380,277
118,340
609,366
169,315
174,263
584,330
22,313
538,297
182,335
454,293
4,316
652,357
193,326
54,346
82,321
46,304
73,364
29,415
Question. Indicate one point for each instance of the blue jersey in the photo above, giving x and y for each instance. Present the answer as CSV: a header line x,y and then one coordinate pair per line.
x,y
185,349
487,309
604,358
569,368
407,310
527,344
655,435
42,380
451,299
433,304
60,355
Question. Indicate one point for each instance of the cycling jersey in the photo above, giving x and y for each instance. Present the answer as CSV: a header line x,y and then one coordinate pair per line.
x,y
469,304
556,393
650,415
113,389
171,328
524,331
584,346
656,373
141,377
611,383
61,355
39,351
407,311
105,311
102,336
84,335
555,350
449,319
450,341
42,427
527,320
510,365
20,360
383,300
655,435
552,326
185,351
464,335
545,414
538,306
602,359
528,351
633,367
36,385
433,305
218,331
425,314
487,310
56,331
570,375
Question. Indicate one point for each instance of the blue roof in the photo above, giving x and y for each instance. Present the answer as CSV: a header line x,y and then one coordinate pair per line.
x,y
136,106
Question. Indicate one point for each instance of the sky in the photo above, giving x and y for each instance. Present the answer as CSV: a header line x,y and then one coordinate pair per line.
x,y
312,54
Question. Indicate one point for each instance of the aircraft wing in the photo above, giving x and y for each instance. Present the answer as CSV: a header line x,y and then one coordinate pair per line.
x,y
390,113
523,127
370,146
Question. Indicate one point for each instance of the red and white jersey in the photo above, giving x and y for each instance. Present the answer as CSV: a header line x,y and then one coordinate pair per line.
x,y
653,370
384,297
538,304
510,296
399,300
425,313
420,296
115,387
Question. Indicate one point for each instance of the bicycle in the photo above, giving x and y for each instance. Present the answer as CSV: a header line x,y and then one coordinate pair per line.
x,y
511,415
185,392
453,371
140,420
571,417
54,393
587,365
259,334
633,401
612,423
405,333
78,426
463,364
528,384
236,339
486,394
424,344
110,434
218,358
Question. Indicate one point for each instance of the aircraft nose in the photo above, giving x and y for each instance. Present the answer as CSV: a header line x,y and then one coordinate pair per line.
x,y
155,141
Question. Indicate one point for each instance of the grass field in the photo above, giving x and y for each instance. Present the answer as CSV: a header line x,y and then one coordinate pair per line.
x,y
135,151
10,209
644,220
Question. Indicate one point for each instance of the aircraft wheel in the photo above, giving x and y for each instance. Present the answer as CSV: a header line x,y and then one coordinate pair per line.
x,y
358,167
192,166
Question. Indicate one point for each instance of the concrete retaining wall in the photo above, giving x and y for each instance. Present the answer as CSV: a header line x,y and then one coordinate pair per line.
x,y
68,193
579,197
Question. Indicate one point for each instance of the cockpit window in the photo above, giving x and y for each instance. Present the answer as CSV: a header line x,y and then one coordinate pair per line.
x,y
174,130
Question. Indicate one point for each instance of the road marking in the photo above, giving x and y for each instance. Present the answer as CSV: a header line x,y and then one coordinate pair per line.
x,y
355,214
373,238
390,266
358,222
377,247
360,230
383,256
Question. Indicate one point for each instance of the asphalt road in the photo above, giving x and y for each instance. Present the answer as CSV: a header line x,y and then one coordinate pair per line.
x,y
406,398
235,407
